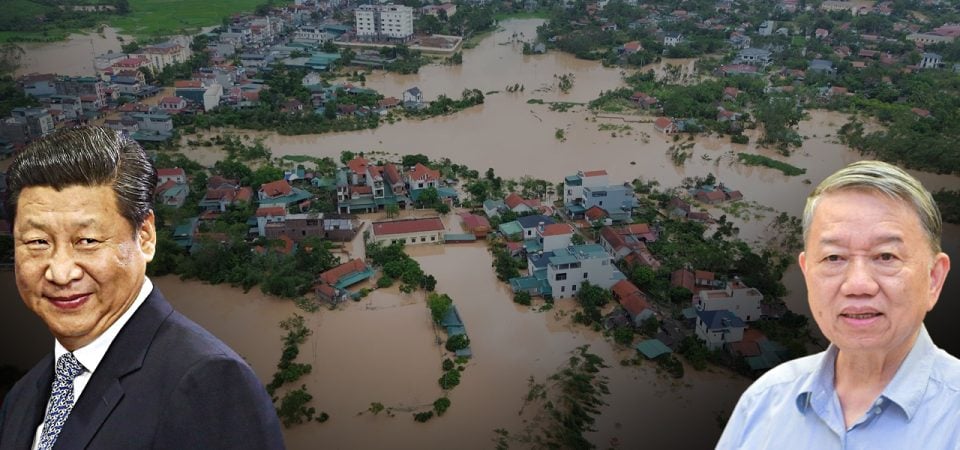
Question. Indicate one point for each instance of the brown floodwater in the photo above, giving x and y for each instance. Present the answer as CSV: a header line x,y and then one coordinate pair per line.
x,y
74,56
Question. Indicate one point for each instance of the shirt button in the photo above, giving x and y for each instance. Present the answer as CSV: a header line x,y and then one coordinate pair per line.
x,y
877,410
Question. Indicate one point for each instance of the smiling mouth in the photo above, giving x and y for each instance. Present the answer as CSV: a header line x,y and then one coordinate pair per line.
x,y
69,302
862,316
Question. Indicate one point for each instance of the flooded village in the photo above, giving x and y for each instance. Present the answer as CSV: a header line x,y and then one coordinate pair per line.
x,y
372,344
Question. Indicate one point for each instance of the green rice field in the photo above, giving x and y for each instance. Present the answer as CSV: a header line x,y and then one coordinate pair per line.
x,y
147,18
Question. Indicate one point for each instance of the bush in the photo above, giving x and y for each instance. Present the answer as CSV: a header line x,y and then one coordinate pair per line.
x,y
458,342
522,298
739,139
447,364
450,379
623,335
673,366
423,416
384,282
441,405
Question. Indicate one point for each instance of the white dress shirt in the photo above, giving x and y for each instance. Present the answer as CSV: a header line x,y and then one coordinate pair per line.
x,y
91,354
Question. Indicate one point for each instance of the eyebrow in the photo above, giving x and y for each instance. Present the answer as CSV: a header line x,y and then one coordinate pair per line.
x,y
884,239
32,224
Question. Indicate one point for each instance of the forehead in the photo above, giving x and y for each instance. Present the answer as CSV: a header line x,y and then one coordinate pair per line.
x,y
860,211
68,205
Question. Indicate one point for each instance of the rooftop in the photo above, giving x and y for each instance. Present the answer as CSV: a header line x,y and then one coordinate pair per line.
x,y
407,226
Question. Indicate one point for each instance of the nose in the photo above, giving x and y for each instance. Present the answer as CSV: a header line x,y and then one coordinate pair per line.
x,y
63,267
858,278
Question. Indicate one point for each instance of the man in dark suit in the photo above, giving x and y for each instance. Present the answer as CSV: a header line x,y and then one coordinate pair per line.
x,y
127,371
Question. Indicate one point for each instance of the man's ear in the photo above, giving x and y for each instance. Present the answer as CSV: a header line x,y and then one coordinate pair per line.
x,y
938,274
148,236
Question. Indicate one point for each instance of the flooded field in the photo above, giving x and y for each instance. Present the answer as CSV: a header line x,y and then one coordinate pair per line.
x,y
384,349
71,57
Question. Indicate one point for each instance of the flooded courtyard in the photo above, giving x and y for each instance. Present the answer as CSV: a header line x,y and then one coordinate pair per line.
x,y
384,347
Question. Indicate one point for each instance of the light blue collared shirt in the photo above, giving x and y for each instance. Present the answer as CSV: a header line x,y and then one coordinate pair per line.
x,y
795,406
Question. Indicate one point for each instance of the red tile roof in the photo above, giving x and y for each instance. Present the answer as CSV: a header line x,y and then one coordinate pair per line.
x,y
683,278
187,84
271,211
358,165
513,200
277,188
594,173
335,274
407,226
637,228
623,289
662,123
422,172
704,275
391,173
171,99
595,213
174,172
556,229
473,221
635,303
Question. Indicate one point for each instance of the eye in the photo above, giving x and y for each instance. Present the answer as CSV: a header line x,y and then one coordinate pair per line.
x,y
887,257
36,243
832,258
87,242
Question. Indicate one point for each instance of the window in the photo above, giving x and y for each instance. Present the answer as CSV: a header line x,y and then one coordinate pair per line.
x,y
574,288
563,288
433,238
423,239
561,277
585,275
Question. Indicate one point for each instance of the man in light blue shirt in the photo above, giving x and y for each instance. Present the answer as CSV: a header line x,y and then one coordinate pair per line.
x,y
873,269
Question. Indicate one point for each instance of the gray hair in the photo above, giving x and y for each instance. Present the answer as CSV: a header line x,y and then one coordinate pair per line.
x,y
886,179
87,156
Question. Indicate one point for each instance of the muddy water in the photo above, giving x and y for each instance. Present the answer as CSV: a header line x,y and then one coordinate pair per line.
x,y
383,349
71,57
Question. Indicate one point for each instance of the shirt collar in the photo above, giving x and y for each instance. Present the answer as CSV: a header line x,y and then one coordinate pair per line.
x,y
818,383
908,386
91,354
906,389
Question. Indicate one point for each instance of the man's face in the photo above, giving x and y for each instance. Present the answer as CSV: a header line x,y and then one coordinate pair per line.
x,y
870,272
79,264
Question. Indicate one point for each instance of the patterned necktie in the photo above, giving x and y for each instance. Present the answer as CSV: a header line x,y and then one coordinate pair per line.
x,y
61,399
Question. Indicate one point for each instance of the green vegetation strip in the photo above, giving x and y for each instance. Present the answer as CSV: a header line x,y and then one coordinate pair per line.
x,y
760,160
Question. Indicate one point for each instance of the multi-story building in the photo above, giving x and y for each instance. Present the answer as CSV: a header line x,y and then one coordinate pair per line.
x,y
742,301
162,55
39,85
717,328
588,189
390,21
38,121
91,90
297,227
559,273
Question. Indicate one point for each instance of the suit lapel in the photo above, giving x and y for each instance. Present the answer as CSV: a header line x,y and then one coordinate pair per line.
x,y
105,389
31,408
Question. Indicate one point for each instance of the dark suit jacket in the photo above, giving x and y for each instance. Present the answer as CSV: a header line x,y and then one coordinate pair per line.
x,y
165,382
